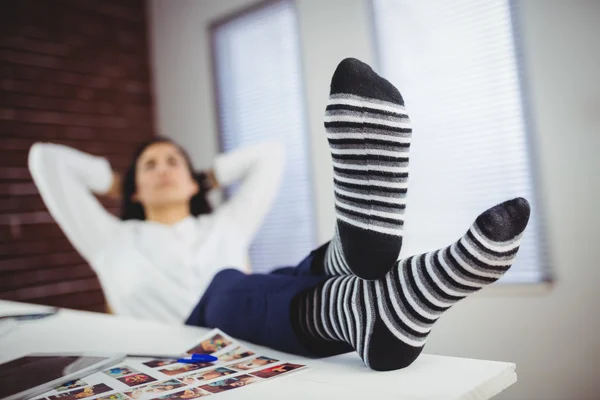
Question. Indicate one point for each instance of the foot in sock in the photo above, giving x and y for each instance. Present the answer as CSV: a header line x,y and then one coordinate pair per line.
x,y
387,321
369,135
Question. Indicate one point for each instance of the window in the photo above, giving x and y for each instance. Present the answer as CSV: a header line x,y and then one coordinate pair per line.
x,y
457,65
260,97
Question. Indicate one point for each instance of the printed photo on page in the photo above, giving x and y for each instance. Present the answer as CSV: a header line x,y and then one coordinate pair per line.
x,y
71,385
207,375
178,369
118,372
211,345
154,389
230,383
189,393
236,354
253,363
82,393
114,396
277,370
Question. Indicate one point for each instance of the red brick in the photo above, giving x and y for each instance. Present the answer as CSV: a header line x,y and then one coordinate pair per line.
x,y
33,262
62,118
27,218
91,300
17,189
108,9
30,233
56,133
17,204
29,278
76,40
8,144
21,249
20,100
45,88
127,38
14,174
20,129
8,113
38,60
33,45
52,289
34,31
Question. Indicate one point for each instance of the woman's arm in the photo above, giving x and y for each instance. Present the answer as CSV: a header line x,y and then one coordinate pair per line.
x,y
66,178
260,167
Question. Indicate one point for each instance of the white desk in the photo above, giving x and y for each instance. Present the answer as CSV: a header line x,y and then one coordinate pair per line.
x,y
345,376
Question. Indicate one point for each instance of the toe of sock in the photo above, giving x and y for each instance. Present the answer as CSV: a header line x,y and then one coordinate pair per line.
x,y
506,220
353,76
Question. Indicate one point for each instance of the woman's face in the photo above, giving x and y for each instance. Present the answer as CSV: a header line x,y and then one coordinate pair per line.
x,y
188,394
163,178
207,346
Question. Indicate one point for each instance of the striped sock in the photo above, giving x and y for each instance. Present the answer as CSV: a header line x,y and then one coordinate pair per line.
x,y
387,321
369,134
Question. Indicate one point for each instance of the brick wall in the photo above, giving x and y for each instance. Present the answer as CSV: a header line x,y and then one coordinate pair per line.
x,y
73,72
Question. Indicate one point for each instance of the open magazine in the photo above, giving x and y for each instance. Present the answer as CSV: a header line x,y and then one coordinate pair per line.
x,y
143,379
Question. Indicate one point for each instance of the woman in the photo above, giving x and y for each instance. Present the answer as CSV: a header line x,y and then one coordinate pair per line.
x,y
352,293
156,261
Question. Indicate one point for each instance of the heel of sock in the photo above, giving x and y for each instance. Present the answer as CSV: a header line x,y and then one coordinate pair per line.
x,y
369,256
386,352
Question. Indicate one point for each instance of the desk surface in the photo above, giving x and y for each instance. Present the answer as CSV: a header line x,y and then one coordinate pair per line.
x,y
345,376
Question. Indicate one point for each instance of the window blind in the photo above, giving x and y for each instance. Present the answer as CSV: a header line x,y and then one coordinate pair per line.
x,y
260,97
458,68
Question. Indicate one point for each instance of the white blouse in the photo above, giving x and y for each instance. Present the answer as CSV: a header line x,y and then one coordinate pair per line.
x,y
150,270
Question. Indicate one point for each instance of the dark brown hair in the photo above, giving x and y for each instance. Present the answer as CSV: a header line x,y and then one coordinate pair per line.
x,y
134,210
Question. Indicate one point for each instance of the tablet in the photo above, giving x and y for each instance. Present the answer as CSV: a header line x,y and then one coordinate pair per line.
x,y
34,374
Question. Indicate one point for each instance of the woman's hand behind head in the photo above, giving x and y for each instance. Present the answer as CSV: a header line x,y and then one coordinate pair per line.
x,y
115,189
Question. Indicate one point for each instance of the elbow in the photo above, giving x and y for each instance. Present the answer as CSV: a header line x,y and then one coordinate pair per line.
x,y
41,157
35,156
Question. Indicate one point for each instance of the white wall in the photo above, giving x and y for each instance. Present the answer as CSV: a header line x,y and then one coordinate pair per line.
x,y
552,336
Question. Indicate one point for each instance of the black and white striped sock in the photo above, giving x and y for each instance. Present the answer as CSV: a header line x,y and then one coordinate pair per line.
x,y
369,135
387,321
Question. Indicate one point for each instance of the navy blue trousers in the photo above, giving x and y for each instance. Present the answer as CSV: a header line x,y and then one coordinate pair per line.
x,y
260,308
